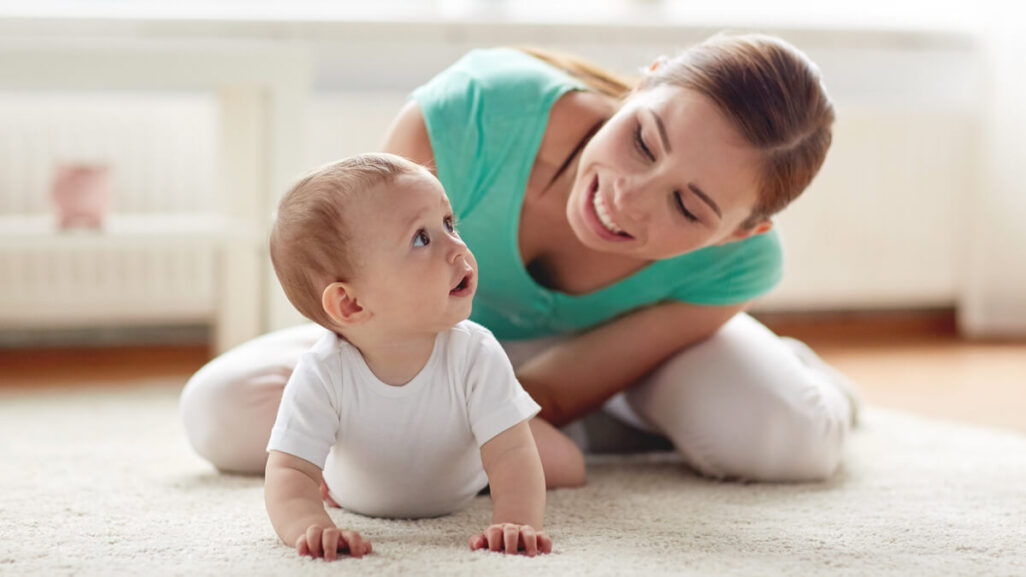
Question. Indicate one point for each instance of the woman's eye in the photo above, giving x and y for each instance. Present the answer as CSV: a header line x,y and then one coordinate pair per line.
x,y
683,210
639,142
421,238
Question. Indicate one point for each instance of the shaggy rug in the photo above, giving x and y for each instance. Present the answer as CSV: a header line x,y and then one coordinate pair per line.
x,y
101,482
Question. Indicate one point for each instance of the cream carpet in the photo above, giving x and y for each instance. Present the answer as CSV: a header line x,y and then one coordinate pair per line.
x,y
102,483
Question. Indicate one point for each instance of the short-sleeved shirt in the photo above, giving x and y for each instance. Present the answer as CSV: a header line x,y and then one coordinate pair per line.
x,y
486,116
401,451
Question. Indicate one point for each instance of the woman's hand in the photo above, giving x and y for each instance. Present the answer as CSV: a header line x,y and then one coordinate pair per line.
x,y
328,542
575,377
512,538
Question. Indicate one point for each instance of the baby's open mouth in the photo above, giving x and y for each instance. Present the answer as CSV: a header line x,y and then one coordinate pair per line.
x,y
463,286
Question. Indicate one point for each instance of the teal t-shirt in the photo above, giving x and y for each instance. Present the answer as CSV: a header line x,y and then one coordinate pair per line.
x,y
485,116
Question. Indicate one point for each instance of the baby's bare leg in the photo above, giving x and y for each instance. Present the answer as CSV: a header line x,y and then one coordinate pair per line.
x,y
562,461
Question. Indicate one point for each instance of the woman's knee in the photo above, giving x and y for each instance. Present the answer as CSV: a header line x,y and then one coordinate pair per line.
x,y
228,420
800,443
741,405
773,440
228,407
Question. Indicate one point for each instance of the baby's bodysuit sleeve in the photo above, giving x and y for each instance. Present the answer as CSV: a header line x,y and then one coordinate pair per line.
x,y
308,417
495,398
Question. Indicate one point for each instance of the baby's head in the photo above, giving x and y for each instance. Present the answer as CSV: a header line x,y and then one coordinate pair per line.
x,y
369,243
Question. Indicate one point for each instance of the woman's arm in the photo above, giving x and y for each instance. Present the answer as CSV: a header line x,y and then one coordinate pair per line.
x,y
576,377
408,137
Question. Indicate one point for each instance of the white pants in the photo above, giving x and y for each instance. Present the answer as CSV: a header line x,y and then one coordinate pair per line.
x,y
741,404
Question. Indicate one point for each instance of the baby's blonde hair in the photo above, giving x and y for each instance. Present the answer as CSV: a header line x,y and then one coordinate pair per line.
x,y
309,241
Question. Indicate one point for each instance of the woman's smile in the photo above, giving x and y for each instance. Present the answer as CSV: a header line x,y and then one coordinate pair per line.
x,y
597,215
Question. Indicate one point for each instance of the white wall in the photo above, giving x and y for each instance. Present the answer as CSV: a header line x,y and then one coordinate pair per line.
x,y
993,299
919,201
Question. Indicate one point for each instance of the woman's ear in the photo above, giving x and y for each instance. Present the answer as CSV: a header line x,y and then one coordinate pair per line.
x,y
339,302
742,232
657,63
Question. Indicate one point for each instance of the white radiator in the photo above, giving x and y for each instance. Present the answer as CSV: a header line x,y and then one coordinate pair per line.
x,y
97,286
161,150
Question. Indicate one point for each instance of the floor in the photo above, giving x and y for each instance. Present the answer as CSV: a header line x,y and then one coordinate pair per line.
x,y
912,361
917,362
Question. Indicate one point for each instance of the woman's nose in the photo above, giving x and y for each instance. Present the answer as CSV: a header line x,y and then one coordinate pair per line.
x,y
626,195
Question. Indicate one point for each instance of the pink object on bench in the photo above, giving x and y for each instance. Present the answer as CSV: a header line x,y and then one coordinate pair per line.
x,y
81,193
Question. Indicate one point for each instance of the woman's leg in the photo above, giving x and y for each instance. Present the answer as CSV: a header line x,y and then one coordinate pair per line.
x,y
228,407
562,460
746,404
561,456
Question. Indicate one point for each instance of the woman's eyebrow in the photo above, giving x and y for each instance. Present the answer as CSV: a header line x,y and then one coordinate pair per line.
x,y
691,186
662,129
698,192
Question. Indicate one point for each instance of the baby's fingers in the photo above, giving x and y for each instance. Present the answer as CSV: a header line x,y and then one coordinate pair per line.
x,y
511,538
494,536
478,541
356,544
530,540
329,542
544,543
313,540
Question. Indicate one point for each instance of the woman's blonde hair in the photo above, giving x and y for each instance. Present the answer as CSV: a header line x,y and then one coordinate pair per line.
x,y
310,240
769,90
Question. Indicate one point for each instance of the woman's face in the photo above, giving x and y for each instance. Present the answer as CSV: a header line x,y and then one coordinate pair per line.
x,y
666,175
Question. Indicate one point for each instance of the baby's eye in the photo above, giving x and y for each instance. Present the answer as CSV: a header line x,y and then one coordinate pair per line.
x,y
450,225
421,238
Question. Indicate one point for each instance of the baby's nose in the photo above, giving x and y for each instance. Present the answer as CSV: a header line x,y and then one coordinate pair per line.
x,y
458,251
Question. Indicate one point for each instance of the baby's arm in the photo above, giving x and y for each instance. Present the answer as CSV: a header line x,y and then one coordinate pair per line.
x,y
293,499
518,494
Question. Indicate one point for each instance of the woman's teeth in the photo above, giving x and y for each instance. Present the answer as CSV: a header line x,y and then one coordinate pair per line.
x,y
603,214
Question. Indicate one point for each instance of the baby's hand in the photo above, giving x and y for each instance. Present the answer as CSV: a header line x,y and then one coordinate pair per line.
x,y
329,542
512,538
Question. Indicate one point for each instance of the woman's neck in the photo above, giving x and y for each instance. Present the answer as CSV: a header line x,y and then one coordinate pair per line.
x,y
551,252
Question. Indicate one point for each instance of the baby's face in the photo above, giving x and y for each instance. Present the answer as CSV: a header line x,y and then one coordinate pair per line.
x,y
413,271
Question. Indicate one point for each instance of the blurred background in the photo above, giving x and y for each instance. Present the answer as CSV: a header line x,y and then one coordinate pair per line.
x,y
143,146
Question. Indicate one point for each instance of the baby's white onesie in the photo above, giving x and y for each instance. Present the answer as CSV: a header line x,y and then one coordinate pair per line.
x,y
401,451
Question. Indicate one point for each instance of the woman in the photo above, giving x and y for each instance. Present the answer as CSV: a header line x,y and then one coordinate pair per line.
x,y
620,233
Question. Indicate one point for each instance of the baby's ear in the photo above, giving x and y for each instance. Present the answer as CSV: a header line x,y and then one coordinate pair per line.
x,y
339,301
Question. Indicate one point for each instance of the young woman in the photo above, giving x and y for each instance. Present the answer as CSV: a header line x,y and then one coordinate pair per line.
x,y
621,230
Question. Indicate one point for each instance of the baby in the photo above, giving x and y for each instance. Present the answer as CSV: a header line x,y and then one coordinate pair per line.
x,y
404,408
